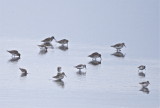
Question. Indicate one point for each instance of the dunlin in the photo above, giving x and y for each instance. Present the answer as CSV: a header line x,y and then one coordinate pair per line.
x,y
14,53
95,55
43,47
80,66
48,40
118,46
59,76
144,84
63,42
142,67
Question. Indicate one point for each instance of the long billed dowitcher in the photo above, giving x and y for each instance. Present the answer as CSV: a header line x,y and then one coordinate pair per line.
x,y
119,46
14,53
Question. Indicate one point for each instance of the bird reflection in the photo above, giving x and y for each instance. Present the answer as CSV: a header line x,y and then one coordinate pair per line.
x,y
95,62
141,74
118,54
80,73
42,52
24,74
60,83
144,90
63,48
14,59
48,45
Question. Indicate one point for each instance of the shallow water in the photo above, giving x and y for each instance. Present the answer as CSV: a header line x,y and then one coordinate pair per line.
x,y
89,26
113,83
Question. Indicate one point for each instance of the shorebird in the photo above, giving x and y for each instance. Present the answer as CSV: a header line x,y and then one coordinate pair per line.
x,y
141,74
24,72
62,42
14,53
118,46
59,69
48,40
95,55
80,66
59,76
43,47
144,84
142,67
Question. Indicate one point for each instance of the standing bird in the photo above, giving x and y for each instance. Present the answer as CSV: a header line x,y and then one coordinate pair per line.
x,y
119,46
59,76
142,67
59,69
48,40
80,66
63,42
95,55
144,84
43,47
14,53
24,72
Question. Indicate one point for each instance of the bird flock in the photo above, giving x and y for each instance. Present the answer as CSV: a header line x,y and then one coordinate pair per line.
x,y
95,56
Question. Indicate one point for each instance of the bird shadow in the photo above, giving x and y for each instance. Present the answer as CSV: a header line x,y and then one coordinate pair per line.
x,y
145,90
63,48
95,62
118,54
14,59
59,83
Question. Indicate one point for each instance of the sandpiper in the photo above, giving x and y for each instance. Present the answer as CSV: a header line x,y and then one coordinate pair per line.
x,y
141,67
24,72
59,76
95,55
144,84
80,66
48,40
43,47
62,42
14,53
59,69
118,46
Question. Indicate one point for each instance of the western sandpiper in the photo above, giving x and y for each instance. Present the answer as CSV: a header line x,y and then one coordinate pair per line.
x,y
144,84
14,53
118,46
59,69
80,66
48,40
141,74
59,76
95,55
